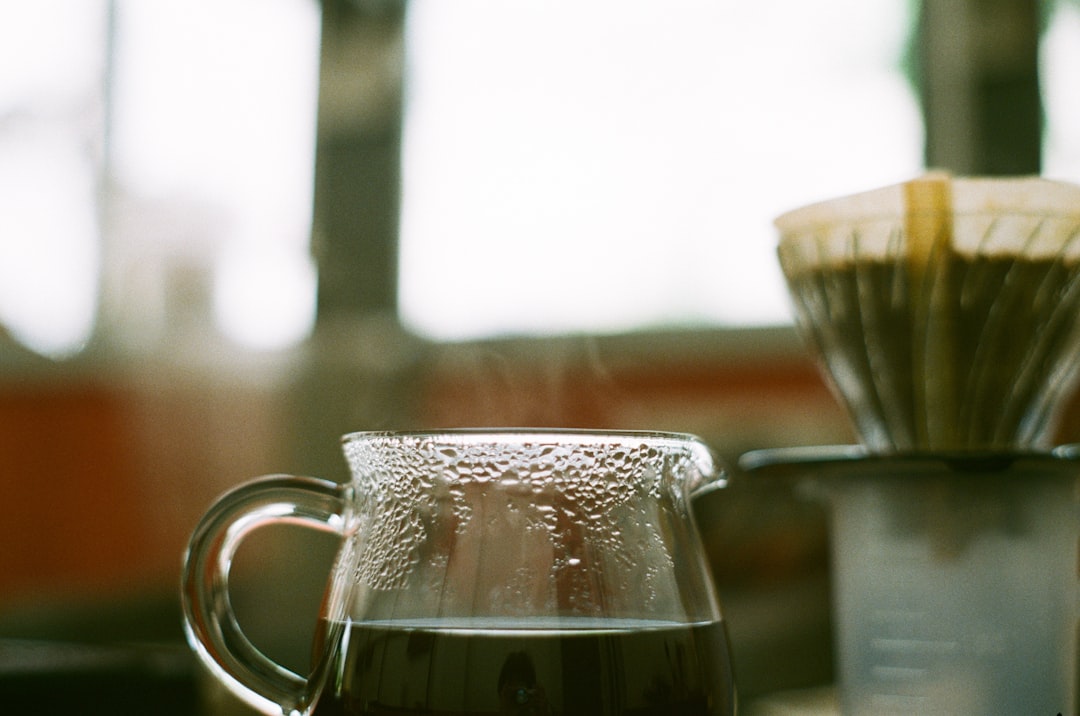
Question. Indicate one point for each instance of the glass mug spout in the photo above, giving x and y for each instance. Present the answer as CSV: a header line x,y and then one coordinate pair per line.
x,y
512,572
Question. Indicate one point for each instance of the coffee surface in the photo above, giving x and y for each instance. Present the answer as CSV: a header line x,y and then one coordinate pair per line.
x,y
611,668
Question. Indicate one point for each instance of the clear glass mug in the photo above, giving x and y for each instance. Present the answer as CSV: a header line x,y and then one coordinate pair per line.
x,y
514,572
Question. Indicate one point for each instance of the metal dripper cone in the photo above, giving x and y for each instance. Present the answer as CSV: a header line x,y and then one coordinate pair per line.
x,y
945,312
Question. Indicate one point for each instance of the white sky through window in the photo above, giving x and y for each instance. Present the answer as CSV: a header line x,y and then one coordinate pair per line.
x,y
215,105
50,122
211,104
602,166
1060,61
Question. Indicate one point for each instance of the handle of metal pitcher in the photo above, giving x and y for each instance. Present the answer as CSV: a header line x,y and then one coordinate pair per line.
x,y
209,621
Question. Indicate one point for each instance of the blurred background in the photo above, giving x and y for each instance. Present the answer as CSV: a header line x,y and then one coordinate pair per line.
x,y
233,230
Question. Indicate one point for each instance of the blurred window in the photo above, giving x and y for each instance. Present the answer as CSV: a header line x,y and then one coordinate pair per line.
x,y
602,166
142,139
212,151
52,72
568,166
1059,65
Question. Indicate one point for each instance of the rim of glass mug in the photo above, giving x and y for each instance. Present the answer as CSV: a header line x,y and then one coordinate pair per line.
x,y
711,473
491,435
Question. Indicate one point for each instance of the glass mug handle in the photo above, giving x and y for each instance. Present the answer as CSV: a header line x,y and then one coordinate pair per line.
x,y
209,620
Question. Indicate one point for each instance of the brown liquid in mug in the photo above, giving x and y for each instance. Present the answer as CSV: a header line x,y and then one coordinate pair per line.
x,y
998,335
612,668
